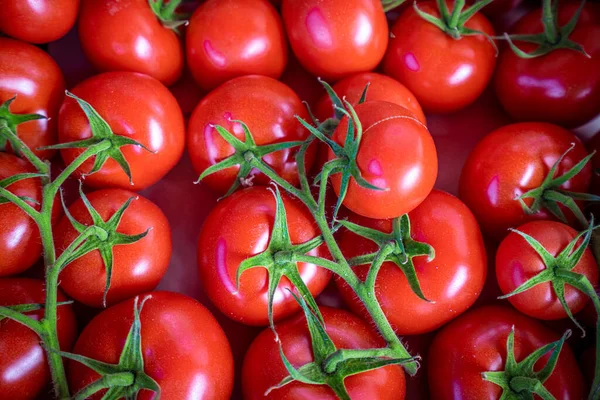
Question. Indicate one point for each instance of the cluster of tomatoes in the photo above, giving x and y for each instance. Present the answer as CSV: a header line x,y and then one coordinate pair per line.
x,y
330,238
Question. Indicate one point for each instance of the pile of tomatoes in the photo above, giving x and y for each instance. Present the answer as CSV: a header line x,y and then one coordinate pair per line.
x,y
381,185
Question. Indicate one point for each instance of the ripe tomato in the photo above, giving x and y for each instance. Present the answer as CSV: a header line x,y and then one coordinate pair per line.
x,y
126,35
20,243
185,350
476,343
337,38
222,247
32,75
444,74
231,38
511,161
517,262
268,107
263,367
40,21
137,267
387,130
563,86
136,106
24,371
453,280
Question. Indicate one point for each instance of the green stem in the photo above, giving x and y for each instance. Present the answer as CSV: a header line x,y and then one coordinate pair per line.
x,y
455,16
20,147
19,202
385,250
113,380
549,22
60,263
341,355
21,318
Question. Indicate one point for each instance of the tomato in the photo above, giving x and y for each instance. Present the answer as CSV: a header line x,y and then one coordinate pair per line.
x,y
517,262
444,74
387,130
136,106
268,107
185,350
20,243
453,280
263,367
32,75
126,35
511,161
137,268
563,86
24,371
222,247
334,39
476,343
39,21
231,38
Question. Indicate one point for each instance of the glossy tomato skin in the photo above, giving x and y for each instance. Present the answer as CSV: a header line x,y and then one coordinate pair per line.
x,y
453,280
38,21
34,77
238,228
23,367
185,350
134,105
126,35
263,367
267,107
517,262
476,343
387,130
335,39
230,38
137,267
20,243
444,74
511,161
562,87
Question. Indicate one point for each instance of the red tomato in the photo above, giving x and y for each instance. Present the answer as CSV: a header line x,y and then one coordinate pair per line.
x,y
136,106
24,372
337,38
444,74
137,267
32,75
562,87
476,343
231,38
238,228
268,107
263,367
511,161
517,262
126,35
185,350
20,243
387,130
38,21
453,280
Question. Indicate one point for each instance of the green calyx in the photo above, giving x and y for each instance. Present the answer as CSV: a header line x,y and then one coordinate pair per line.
x,y
331,365
554,36
248,155
103,237
391,4
519,380
10,121
166,12
549,195
397,247
453,22
101,133
127,378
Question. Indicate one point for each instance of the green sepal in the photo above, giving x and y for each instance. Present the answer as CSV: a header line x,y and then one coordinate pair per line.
x,y
247,154
11,121
101,132
25,308
104,242
554,36
166,13
519,380
391,4
127,378
404,249
6,182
